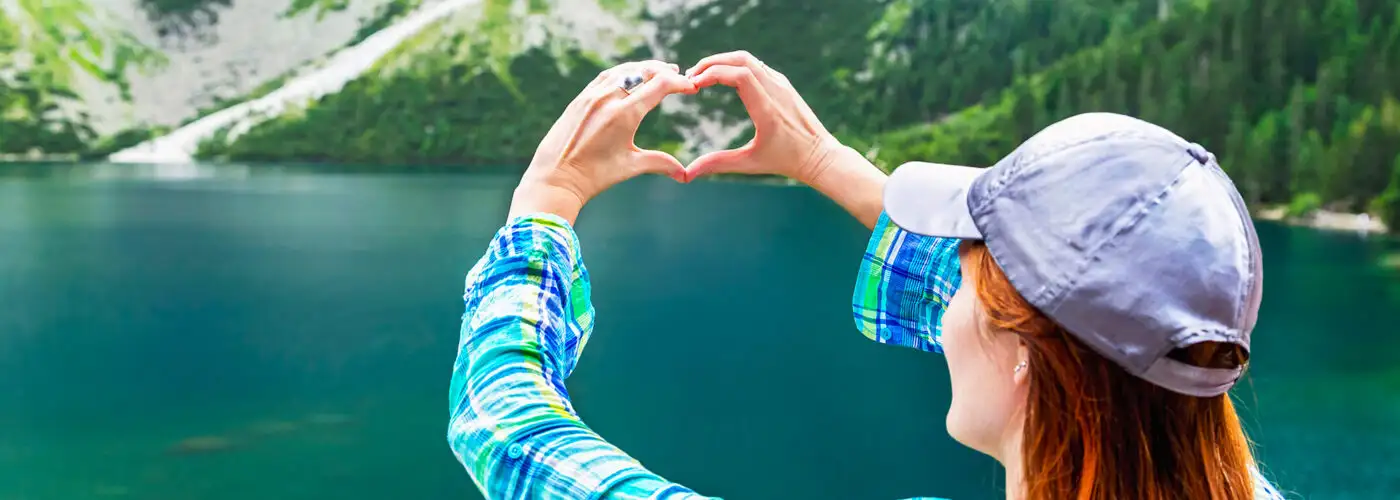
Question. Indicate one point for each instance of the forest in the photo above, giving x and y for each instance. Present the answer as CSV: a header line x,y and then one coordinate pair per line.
x,y
1297,98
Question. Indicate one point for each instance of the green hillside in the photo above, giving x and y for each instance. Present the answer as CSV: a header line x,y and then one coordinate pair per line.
x,y
856,61
45,46
467,92
929,58
1297,98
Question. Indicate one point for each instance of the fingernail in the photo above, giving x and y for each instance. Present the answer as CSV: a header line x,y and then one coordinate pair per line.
x,y
676,68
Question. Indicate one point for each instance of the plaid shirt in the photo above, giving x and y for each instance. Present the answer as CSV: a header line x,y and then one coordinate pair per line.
x,y
529,315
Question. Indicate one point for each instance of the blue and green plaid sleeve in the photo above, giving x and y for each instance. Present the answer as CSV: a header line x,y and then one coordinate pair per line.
x,y
904,284
528,316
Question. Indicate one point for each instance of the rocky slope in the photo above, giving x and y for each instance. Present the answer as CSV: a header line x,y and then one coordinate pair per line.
x,y
100,67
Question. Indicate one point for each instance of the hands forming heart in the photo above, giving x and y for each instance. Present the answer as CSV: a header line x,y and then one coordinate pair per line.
x,y
590,147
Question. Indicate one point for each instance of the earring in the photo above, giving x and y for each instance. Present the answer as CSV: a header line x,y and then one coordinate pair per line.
x,y
1020,366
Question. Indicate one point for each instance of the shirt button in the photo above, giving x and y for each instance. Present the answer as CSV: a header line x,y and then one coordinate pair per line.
x,y
515,451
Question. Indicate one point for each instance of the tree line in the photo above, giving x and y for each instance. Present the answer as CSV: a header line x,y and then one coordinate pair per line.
x,y
1296,97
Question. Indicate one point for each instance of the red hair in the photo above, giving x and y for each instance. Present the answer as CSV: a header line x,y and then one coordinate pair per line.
x,y
1095,432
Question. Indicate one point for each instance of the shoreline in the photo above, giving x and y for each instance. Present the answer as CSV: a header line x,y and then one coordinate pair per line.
x,y
1325,220
40,158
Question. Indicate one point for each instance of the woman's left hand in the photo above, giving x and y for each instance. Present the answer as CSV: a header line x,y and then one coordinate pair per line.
x,y
590,147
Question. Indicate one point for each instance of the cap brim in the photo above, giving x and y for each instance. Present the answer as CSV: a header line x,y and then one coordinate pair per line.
x,y
931,199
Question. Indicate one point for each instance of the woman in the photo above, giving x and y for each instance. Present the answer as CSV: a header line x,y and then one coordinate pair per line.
x,y
1093,292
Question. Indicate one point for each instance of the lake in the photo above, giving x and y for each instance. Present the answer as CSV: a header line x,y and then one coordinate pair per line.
x,y
288,333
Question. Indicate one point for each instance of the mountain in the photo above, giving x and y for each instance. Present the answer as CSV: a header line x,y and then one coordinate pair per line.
x,y
1297,98
84,77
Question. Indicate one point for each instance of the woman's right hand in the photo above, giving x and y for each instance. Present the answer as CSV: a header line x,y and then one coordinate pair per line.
x,y
788,140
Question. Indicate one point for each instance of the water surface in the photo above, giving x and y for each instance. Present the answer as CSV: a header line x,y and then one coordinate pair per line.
x,y
199,333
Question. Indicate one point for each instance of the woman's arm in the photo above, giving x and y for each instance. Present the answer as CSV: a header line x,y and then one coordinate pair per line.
x,y
845,176
528,316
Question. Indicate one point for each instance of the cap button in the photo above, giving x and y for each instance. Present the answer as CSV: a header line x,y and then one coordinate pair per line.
x,y
1200,154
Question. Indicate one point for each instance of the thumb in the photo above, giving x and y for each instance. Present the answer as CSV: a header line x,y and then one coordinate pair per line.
x,y
729,160
649,161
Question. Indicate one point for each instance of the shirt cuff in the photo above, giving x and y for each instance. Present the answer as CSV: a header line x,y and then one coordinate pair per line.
x,y
904,285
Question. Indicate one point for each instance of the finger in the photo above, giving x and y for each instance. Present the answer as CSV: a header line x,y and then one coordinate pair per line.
x,y
756,99
649,69
611,77
770,78
650,94
726,161
601,101
609,86
650,161
778,77
735,58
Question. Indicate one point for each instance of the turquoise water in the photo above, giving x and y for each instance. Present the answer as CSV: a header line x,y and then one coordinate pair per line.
x,y
233,333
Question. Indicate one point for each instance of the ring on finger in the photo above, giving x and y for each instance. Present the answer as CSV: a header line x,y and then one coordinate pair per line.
x,y
629,82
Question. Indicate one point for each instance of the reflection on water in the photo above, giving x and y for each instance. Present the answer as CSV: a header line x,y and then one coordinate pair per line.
x,y
108,171
162,172
287,332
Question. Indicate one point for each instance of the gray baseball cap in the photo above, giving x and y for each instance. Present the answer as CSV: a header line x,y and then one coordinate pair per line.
x,y
1130,237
